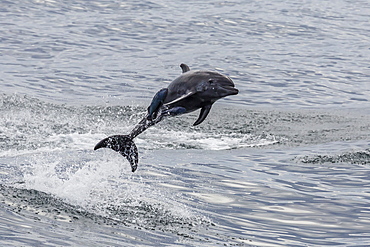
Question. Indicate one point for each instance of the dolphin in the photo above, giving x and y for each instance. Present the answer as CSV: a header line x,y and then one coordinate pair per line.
x,y
191,91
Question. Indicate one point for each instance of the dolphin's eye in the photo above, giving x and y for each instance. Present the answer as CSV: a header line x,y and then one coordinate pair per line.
x,y
210,81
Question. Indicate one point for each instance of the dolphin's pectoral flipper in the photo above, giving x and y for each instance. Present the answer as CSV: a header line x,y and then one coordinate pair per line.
x,y
156,103
124,145
174,111
203,114
184,68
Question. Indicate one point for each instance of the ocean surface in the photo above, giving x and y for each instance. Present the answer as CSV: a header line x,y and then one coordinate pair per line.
x,y
286,162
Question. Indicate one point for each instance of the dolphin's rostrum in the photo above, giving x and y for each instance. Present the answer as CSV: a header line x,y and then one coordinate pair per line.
x,y
191,91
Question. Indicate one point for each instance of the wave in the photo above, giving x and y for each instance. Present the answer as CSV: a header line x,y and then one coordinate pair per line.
x,y
82,185
169,217
355,157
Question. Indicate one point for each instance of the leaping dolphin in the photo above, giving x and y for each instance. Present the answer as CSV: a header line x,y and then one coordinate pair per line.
x,y
191,91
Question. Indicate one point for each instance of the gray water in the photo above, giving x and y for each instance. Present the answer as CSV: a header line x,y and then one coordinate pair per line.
x,y
283,163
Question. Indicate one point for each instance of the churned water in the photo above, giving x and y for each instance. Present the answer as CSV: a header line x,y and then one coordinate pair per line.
x,y
283,163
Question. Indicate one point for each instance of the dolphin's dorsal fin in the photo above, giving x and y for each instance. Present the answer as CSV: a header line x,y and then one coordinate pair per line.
x,y
184,68
203,114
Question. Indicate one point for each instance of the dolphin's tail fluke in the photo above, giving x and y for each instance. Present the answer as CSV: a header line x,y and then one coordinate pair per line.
x,y
122,144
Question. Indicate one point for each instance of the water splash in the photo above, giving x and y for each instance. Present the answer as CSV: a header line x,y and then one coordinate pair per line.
x,y
30,125
96,184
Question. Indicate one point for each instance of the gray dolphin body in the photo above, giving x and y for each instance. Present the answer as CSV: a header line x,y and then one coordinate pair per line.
x,y
191,91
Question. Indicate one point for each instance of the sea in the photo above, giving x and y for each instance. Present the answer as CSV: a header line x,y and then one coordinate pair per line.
x,y
286,162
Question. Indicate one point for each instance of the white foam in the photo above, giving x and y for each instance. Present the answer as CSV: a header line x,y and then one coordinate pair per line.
x,y
72,178
55,143
156,139
75,141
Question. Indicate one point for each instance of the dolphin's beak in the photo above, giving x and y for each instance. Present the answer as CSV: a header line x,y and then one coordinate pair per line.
x,y
234,91
229,90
